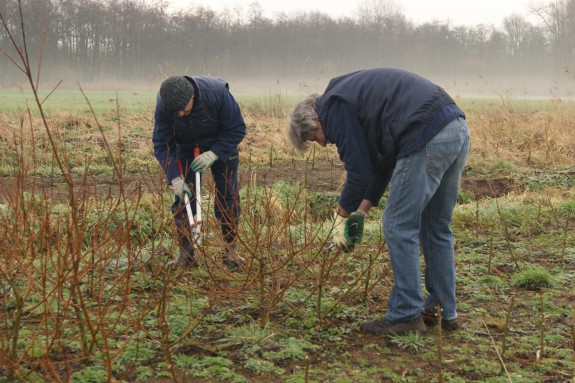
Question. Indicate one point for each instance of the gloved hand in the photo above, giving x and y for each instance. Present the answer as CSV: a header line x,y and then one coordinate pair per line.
x,y
203,162
354,226
181,188
348,231
340,239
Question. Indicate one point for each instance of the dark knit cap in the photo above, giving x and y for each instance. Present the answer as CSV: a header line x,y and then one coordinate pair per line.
x,y
176,92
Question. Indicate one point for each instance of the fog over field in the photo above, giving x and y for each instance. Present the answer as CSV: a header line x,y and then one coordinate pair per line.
x,y
134,44
464,85
461,85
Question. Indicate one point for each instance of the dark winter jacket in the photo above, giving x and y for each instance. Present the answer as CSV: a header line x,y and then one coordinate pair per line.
x,y
215,124
376,117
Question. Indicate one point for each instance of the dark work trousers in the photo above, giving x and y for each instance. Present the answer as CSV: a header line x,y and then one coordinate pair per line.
x,y
227,202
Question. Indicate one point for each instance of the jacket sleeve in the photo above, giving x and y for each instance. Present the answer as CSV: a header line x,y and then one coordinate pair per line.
x,y
164,141
233,127
378,185
364,179
345,131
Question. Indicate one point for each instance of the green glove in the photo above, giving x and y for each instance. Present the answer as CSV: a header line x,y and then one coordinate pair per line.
x,y
354,226
340,239
204,161
181,188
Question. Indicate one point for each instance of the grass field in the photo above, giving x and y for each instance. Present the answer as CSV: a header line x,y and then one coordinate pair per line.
x,y
85,234
77,101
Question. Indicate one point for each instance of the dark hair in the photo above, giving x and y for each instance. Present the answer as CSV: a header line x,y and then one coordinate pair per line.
x,y
176,92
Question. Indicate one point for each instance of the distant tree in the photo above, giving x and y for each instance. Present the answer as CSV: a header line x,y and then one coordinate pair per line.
x,y
383,26
525,43
554,16
432,43
10,16
378,12
516,28
91,40
570,36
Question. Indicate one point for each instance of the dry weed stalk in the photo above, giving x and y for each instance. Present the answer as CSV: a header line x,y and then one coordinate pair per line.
x,y
440,357
69,259
499,355
506,326
506,233
573,328
516,136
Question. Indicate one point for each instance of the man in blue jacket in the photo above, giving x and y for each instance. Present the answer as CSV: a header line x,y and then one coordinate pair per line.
x,y
392,125
200,111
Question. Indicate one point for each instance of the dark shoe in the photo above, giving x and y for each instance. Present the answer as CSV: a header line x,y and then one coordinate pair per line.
x,y
430,318
384,326
232,259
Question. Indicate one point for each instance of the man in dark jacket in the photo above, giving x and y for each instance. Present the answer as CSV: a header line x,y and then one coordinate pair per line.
x,y
200,112
393,125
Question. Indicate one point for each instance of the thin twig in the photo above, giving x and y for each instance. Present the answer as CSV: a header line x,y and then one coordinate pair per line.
x,y
497,351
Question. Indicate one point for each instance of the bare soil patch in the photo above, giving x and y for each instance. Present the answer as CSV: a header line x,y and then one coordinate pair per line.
x,y
321,177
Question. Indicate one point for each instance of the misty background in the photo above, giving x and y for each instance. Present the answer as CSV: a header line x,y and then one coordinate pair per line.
x,y
134,44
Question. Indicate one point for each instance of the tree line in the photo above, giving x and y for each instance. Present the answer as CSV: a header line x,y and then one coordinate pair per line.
x,y
133,40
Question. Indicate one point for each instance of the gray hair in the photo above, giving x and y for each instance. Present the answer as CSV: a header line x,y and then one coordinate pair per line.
x,y
303,123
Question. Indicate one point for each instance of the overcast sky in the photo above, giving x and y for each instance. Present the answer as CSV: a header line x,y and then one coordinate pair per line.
x,y
458,12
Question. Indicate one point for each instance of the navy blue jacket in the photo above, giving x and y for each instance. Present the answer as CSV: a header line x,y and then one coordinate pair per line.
x,y
376,117
215,123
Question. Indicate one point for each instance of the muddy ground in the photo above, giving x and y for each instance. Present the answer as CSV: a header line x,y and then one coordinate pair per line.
x,y
322,177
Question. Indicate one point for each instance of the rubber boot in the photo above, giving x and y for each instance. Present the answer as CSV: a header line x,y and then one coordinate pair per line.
x,y
186,257
231,257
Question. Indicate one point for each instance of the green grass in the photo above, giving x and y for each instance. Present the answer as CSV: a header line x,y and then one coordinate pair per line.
x,y
128,102
534,277
131,102
214,334
74,102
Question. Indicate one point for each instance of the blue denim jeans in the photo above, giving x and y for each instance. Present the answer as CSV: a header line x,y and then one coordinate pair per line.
x,y
422,196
